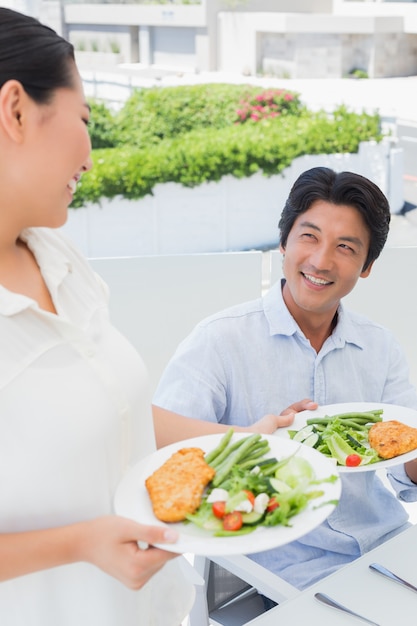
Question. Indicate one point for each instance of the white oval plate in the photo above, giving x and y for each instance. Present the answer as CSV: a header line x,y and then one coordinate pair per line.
x,y
132,501
391,412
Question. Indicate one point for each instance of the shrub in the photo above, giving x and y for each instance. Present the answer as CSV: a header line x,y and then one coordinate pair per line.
x,y
153,115
269,103
358,73
102,126
209,153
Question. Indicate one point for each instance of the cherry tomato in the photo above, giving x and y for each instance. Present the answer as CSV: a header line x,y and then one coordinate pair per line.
x,y
272,504
353,460
250,496
219,509
233,521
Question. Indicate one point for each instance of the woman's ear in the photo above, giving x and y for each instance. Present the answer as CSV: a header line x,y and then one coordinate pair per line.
x,y
12,104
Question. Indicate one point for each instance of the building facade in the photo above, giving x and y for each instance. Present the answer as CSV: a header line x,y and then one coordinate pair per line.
x,y
284,39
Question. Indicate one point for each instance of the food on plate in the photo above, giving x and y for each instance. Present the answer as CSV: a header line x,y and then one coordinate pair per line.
x,y
176,488
357,438
392,438
342,437
234,488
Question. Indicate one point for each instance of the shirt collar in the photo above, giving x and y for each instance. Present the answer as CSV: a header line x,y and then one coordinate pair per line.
x,y
279,318
281,321
54,265
53,262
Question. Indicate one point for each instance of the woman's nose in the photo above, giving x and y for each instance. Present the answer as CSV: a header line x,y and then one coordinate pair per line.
x,y
88,164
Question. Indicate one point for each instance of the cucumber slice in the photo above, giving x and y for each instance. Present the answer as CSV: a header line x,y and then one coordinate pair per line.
x,y
303,433
252,518
279,486
311,440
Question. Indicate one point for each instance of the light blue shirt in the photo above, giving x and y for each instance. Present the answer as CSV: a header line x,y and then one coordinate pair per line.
x,y
253,359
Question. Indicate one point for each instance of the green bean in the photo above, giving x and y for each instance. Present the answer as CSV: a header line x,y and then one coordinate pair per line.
x,y
255,449
236,456
312,421
210,456
223,456
270,469
252,461
258,449
353,419
371,416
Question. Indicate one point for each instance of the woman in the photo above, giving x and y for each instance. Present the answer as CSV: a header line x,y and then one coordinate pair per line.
x,y
74,405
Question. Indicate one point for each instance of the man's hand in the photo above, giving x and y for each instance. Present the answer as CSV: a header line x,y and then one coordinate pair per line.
x,y
302,405
268,424
411,470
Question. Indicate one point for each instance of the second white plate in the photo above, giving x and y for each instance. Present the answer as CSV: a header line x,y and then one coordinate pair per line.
x,y
391,412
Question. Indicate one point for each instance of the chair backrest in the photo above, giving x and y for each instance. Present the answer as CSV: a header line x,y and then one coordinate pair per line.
x,y
387,296
157,300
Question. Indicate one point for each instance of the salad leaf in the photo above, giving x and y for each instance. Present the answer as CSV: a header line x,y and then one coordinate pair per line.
x,y
340,436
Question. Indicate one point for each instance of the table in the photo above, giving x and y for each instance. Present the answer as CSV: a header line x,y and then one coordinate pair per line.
x,y
359,589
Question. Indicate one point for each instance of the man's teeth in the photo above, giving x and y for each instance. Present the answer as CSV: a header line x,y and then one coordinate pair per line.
x,y
72,185
317,281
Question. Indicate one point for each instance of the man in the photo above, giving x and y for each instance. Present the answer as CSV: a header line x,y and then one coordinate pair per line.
x,y
243,365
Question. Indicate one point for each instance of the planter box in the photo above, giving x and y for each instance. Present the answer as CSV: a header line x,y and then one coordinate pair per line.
x,y
229,215
87,59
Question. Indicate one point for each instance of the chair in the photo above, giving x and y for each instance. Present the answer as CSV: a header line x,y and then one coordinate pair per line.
x,y
230,594
157,300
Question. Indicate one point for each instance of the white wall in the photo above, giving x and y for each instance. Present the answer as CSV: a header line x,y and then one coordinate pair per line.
x,y
232,214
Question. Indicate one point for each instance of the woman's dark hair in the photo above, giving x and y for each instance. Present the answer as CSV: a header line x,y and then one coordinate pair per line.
x,y
354,190
35,55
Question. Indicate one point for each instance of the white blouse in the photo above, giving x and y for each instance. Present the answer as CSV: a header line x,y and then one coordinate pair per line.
x,y
74,415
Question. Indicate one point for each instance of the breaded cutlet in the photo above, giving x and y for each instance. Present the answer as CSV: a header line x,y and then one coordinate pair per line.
x,y
176,488
392,438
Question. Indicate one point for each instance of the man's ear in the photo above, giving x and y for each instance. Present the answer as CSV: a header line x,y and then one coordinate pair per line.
x,y
281,249
365,273
12,103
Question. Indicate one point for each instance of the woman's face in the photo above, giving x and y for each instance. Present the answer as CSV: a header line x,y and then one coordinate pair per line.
x,y
57,153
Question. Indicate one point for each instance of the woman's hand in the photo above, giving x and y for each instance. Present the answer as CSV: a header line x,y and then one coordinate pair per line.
x,y
111,543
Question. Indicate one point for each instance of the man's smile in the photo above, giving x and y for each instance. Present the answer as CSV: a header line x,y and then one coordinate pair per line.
x,y
316,280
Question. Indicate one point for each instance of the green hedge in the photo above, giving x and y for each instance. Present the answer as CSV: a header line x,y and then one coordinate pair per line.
x,y
191,135
152,115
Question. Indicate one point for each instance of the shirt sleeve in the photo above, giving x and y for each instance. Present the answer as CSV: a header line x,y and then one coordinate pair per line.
x,y
404,487
398,390
194,383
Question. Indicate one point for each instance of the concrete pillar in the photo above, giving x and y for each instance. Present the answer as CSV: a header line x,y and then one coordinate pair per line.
x,y
134,55
145,47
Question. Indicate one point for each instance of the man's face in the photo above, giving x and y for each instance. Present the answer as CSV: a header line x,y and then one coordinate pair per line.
x,y
324,255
